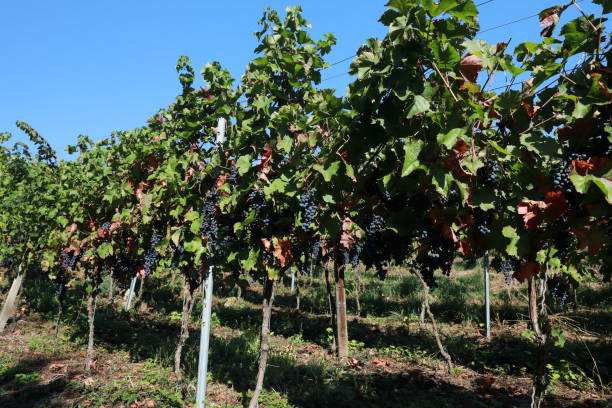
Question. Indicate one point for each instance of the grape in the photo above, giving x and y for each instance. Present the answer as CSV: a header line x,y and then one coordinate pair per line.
x,y
106,226
489,172
560,175
308,210
372,250
453,200
257,200
356,253
559,290
176,253
209,227
483,229
60,285
69,259
233,176
507,268
482,220
346,257
439,255
125,265
150,257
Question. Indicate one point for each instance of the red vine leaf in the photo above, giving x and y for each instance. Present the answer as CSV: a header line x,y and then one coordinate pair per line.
x,y
470,66
556,204
531,212
591,238
346,240
438,220
221,180
583,167
266,160
140,188
266,243
140,271
282,251
531,110
527,271
465,247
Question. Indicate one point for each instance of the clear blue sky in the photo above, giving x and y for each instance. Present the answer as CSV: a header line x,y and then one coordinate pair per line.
x,y
91,67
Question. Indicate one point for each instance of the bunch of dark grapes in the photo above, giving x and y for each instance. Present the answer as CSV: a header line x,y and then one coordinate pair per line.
x,y
452,200
562,239
559,290
489,173
6,262
150,257
106,226
560,175
257,201
373,254
482,220
308,209
124,265
309,251
346,256
69,259
508,266
176,253
210,228
233,176
60,285
439,255
356,253
422,231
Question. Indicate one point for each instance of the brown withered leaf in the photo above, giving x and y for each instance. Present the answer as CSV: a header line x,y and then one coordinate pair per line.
x,y
282,251
591,237
346,240
470,66
221,180
531,212
266,160
527,271
266,243
583,167
465,246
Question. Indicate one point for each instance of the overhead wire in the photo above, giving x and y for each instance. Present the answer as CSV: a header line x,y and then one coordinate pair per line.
x,y
354,55
479,32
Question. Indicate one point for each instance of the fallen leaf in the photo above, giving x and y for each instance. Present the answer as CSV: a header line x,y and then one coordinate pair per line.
x,y
380,362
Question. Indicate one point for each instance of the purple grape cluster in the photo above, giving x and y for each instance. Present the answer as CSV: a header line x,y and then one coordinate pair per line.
x,y
489,173
233,176
508,266
210,228
150,257
69,259
257,201
308,209
559,291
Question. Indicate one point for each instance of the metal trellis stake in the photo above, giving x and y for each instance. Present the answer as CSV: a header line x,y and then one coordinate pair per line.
x,y
207,294
485,267
128,302
204,339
